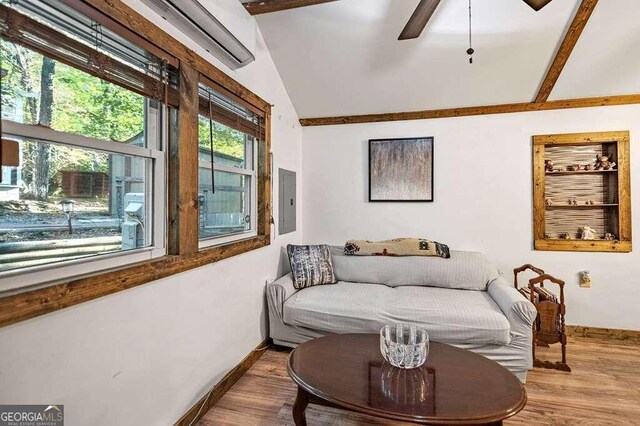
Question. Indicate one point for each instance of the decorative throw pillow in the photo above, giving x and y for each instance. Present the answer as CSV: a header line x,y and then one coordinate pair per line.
x,y
310,265
397,247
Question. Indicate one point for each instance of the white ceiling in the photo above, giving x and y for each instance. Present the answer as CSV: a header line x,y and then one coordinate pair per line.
x,y
606,60
343,57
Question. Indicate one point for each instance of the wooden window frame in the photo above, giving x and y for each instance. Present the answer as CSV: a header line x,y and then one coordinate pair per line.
x,y
155,210
623,243
182,171
250,129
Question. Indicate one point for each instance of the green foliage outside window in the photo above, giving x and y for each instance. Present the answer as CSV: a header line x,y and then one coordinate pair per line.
x,y
74,102
225,139
82,104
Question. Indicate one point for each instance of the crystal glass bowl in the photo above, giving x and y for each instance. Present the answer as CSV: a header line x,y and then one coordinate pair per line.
x,y
404,345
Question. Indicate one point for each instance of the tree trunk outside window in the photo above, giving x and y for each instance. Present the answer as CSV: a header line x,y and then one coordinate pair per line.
x,y
43,152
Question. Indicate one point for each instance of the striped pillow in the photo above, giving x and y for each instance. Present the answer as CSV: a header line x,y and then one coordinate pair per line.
x,y
310,265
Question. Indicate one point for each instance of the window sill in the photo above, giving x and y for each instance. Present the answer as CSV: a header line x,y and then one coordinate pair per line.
x,y
30,304
48,274
213,242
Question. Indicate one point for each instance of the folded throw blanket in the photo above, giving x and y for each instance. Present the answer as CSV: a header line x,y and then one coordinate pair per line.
x,y
397,247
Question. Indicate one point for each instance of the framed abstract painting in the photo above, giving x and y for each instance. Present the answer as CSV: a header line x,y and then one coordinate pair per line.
x,y
401,169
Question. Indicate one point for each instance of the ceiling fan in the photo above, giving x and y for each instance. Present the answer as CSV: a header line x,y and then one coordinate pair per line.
x,y
425,9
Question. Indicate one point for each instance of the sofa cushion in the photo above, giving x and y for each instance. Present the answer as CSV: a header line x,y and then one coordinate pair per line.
x,y
464,270
310,265
449,316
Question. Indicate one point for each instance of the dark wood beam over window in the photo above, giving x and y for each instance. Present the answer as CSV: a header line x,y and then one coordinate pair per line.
x,y
566,47
258,7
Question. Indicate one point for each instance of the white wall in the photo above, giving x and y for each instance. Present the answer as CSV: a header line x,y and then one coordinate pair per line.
x,y
145,355
483,198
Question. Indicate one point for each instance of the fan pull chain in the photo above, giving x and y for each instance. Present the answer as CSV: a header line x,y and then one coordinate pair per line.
x,y
470,49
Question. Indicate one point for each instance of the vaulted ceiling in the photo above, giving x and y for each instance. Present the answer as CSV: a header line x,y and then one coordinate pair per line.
x,y
343,57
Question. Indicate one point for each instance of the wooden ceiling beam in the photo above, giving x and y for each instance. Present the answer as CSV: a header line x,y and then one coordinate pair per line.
x,y
478,110
566,47
267,6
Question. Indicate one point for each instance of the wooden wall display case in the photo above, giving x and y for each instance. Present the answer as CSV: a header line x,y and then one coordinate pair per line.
x,y
581,192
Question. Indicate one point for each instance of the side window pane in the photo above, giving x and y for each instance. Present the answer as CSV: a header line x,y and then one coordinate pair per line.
x,y
230,145
95,204
65,201
40,90
227,210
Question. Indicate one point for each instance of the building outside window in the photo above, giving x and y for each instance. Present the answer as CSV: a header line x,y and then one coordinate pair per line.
x,y
90,130
227,188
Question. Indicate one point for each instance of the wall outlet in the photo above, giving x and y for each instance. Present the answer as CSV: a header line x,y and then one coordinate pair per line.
x,y
585,279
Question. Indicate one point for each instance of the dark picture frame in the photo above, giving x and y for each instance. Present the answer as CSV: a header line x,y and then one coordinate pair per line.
x,y
401,169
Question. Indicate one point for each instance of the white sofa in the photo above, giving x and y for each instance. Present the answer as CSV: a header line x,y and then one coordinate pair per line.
x,y
463,301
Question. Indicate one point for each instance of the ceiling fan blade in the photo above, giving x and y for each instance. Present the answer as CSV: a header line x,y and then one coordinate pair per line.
x,y
537,4
419,19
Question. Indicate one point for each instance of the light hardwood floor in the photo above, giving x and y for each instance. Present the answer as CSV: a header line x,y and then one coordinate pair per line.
x,y
602,389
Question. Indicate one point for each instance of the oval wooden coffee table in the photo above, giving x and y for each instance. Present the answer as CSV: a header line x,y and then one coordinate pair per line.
x,y
454,386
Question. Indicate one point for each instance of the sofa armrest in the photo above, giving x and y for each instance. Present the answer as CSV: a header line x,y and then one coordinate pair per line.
x,y
278,292
519,311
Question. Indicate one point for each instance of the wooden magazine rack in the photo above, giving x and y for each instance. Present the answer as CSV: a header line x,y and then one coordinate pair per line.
x,y
549,325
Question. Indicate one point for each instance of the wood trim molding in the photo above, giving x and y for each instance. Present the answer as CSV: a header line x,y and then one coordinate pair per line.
x,y
582,138
580,245
538,186
30,304
183,176
205,403
264,179
566,47
631,336
267,6
478,110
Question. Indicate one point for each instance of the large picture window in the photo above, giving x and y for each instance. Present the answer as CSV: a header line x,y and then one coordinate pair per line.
x,y
89,184
227,180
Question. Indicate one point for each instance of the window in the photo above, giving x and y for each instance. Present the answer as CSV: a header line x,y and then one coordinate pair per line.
x,y
91,110
227,181
87,109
